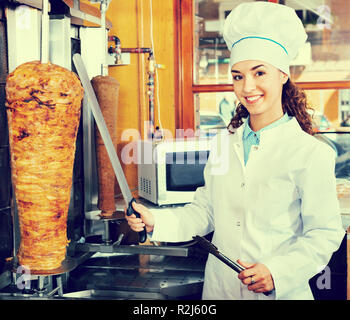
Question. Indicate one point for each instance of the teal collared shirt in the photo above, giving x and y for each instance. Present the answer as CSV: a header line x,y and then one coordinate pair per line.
x,y
251,138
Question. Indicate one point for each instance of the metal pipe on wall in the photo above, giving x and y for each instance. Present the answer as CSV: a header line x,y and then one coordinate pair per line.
x,y
45,33
150,92
103,8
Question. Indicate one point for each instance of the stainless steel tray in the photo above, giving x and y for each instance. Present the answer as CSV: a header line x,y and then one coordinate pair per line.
x,y
67,265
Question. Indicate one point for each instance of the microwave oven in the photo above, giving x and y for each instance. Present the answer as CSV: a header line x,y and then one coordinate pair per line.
x,y
170,171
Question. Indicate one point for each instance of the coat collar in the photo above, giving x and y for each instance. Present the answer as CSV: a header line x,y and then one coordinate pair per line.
x,y
281,132
247,130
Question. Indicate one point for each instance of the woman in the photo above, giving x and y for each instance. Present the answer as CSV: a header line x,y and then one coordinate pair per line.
x,y
271,199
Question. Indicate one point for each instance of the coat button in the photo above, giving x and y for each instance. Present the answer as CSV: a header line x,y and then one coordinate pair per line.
x,y
242,184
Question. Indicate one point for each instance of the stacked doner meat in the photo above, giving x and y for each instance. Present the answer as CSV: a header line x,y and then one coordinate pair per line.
x,y
107,91
43,104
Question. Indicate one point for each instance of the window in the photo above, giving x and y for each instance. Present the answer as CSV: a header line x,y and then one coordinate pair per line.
x,y
322,66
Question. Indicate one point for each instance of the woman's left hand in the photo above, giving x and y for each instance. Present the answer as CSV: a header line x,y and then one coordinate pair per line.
x,y
256,276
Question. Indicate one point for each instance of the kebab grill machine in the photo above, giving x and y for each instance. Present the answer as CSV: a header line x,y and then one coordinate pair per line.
x,y
67,238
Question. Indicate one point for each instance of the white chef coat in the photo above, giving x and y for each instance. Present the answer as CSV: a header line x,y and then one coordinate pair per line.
x,y
280,209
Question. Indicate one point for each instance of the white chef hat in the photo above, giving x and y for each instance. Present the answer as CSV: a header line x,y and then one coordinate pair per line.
x,y
264,31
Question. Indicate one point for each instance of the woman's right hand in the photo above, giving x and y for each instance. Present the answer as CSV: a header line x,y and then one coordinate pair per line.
x,y
146,218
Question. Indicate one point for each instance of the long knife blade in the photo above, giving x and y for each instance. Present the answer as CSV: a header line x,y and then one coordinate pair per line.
x,y
102,127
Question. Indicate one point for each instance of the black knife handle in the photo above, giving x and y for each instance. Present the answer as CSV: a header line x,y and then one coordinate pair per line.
x,y
267,293
129,211
235,266
208,246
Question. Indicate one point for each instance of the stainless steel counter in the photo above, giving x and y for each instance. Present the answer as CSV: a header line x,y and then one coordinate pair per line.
x,y
137,277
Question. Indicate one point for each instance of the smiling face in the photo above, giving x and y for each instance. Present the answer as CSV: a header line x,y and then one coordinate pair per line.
x,y
258,86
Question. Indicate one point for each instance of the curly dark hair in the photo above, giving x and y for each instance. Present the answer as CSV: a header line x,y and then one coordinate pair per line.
x,y
294,102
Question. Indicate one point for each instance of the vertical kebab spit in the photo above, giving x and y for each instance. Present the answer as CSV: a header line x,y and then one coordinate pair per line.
x,y
43,104
107,90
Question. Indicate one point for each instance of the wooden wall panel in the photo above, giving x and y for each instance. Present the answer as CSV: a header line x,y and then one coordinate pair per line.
x,y
131,24
164,52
